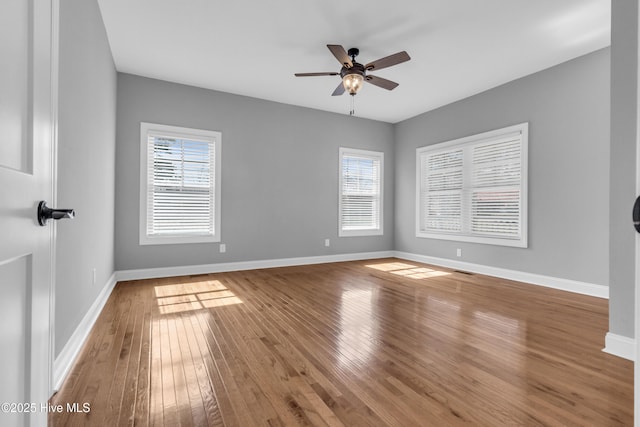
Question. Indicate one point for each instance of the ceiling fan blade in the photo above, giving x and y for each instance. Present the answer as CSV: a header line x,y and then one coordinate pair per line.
x,y
328,73
341,55
339,90
388,61
380,82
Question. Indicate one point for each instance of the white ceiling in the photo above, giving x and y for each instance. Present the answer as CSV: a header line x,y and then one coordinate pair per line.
x,y
253,48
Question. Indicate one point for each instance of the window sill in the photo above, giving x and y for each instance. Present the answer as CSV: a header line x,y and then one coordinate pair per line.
x,y
177,240
359,233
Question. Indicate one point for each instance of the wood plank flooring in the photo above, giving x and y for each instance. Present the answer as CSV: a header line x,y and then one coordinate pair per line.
x,y
367,343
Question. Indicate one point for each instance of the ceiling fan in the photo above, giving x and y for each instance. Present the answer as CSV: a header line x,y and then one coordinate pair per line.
x,y
353,73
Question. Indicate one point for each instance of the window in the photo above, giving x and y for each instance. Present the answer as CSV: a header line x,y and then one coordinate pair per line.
x,y
474,189
360,202
179,185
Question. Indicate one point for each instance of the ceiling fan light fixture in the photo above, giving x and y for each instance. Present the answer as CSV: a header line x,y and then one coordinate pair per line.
x,y
353,82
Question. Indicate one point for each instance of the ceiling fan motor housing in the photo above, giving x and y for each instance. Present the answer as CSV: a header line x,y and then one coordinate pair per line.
x,y
357,68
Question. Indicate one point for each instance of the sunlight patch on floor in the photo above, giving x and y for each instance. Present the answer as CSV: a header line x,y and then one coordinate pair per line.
x,y
358,331
391,266
189,296
408,270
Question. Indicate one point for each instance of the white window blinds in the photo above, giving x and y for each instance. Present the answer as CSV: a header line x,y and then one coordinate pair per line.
x,y
474,189
495,200
441,191
181,185
360,203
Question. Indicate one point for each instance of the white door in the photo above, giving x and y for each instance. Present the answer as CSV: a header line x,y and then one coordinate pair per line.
x,y
26,171
636,382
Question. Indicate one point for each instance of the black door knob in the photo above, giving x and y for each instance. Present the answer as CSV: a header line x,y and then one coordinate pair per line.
x,y
45,213
636,214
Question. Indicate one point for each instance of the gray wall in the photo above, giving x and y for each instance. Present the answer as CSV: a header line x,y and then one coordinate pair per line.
x,y
279,174
86,164
567,108
624,77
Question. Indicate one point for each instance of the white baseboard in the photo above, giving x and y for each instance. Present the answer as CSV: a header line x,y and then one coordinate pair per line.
x,y
63,363
584,288
620,346
152,273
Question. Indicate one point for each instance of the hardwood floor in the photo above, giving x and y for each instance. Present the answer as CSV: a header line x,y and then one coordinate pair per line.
x,y
380,343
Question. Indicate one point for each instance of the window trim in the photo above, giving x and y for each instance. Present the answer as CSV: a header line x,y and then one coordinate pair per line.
x,y
367,154
181,132
522,241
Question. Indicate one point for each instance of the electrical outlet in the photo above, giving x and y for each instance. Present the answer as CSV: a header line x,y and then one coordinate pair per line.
x,y
223,248
327,242
459,252
94,276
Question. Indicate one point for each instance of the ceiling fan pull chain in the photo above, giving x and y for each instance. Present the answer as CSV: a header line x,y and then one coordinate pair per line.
x,y
352,111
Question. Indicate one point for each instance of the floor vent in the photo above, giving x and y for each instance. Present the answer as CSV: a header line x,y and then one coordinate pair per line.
x,y
463,272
